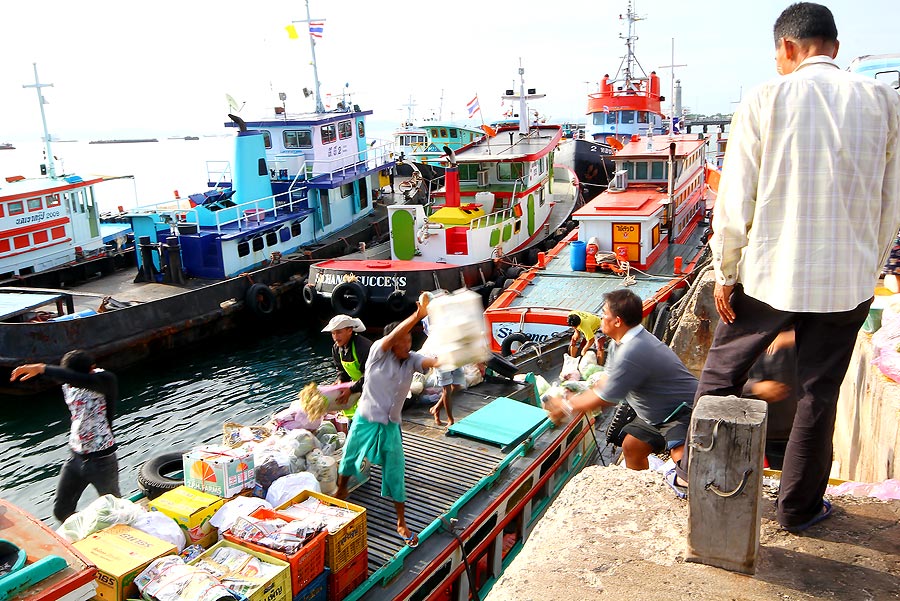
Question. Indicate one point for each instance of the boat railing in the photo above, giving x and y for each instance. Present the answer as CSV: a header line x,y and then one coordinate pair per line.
x,y
369,158
218,172
251,212
492,219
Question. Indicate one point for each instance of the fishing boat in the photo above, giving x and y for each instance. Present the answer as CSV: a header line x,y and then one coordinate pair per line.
x,y
503,199
625,105
647,231
37,563
300,187
883,67
422,146
7,146
475,489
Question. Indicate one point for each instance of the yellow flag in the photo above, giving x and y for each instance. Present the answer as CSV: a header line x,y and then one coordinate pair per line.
x,y
292,32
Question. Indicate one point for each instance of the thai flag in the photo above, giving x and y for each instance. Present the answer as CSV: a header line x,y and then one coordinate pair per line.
x,y
473,107
605,109
315,28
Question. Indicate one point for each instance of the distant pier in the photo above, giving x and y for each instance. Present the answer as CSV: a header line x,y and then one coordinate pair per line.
x,y
126,141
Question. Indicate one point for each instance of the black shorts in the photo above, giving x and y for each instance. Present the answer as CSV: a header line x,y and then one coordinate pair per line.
x,y
661,437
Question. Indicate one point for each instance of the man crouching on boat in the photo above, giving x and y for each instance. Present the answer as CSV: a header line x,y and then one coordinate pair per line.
x,y
375,431
643,372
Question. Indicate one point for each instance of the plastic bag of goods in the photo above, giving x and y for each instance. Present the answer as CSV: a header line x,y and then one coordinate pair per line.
x,y
316,401
569,369
473,374
287,487
101,513
170,579
235,435
294,417
587,361
158,524
238,506
457,329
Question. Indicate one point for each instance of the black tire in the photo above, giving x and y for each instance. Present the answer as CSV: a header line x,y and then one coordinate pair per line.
x,y
396,301
155,476
309,294
532,254
349,298
661,319
260,300
506,349
514,271
508,282
677,295
494,295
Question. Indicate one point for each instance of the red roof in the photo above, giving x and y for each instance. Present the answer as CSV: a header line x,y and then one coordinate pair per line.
x,y
636,201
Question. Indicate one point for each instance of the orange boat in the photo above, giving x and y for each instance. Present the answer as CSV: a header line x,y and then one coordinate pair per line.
x,y
648,232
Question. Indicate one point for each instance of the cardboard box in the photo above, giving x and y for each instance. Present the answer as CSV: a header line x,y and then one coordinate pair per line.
x,y
192,509
218,470
275,588
120,553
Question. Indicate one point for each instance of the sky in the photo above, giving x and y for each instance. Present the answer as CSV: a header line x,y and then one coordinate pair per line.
x,y
164,68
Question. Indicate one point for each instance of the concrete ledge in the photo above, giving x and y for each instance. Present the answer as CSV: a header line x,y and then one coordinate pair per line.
x,y
619,534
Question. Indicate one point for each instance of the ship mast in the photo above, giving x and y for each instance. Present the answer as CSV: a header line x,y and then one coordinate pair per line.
x,y
320,108
626,71
37,85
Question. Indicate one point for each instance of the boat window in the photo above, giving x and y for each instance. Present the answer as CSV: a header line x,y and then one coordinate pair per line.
x,y
52,201
517,226
468,172
325,205
541,197
16,208
420,139
611,118
361,129
643,117
34,204
296,229
891,78
443,132
434,132
629,167
657,170
345,130
329,134
267,138
509,171
640,171
454,133
271,239
599,118
346,190
300,138
627,117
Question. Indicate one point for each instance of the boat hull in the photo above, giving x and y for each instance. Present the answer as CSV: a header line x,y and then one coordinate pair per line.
x,y
592,163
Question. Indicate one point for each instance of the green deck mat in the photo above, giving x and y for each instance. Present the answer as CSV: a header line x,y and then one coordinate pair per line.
x,y
503,422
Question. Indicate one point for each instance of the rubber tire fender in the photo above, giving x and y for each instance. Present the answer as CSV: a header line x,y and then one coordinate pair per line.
x,y
661,319
494,295
309,294
260,300
506,347
514,271
341,300
152,478
396,301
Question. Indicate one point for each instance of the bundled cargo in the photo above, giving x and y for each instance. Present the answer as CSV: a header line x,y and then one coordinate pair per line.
x,y
254,575
219,470
170,579
316,401
457,329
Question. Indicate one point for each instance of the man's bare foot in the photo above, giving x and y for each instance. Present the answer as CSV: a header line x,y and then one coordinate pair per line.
x,y
436,413
341,493
450,421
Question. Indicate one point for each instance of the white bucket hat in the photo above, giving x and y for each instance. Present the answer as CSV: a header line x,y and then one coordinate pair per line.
x,y
344,321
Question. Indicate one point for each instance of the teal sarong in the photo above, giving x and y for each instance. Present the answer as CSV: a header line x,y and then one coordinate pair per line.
x,y
381,444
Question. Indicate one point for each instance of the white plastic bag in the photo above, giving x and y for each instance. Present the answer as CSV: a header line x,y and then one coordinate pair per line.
x,y
233,509
158,524
587,361
287,487
101,513
569,369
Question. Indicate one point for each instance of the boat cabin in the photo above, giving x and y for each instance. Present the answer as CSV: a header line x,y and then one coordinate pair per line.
x,y
638,215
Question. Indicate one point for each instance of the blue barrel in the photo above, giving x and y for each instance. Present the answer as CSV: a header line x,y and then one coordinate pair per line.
x,y
577,257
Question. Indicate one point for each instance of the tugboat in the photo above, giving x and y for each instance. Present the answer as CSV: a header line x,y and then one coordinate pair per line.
x,y
625,105
503,199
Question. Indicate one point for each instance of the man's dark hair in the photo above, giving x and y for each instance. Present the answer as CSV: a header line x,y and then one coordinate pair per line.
x,y
626,305
390,327
574,320
79,361
806,21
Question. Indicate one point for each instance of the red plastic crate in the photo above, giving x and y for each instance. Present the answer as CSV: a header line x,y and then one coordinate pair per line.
x,y
306,564
342,582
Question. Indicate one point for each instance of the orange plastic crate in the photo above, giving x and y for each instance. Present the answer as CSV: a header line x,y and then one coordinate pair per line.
x,y
342,582
306,564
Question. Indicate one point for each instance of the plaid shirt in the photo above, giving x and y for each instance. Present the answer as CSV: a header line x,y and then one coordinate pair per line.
x,y
809,200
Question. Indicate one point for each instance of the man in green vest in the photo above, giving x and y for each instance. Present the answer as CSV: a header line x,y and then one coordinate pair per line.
x,y
349,353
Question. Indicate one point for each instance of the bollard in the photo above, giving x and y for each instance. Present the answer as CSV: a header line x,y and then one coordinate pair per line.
x,y
678,265
725,469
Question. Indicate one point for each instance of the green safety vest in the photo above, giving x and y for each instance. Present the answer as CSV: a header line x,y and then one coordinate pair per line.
x,y
354,370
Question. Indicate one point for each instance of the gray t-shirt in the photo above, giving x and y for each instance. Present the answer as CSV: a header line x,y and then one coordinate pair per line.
x,y
387,381
650,376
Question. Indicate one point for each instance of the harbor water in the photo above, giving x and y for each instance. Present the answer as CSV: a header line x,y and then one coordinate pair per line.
x,y
166,405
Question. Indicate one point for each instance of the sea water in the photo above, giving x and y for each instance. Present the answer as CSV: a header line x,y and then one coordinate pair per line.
x,y
169,404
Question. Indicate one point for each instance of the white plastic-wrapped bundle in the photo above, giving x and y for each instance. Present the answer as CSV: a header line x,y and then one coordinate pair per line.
x,y
457,329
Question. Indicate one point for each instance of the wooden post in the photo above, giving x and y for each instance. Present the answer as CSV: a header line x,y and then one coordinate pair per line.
x,y
725,465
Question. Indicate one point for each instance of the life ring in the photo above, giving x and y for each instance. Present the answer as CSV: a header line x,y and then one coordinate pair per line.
x,y
260,299
309,294
506,348
348,298
156,476
396,301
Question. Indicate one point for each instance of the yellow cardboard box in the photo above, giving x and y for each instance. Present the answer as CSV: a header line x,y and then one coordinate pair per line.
x,y
120,553
192,509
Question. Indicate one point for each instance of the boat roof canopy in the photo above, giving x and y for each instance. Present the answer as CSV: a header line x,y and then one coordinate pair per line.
x,y
12,304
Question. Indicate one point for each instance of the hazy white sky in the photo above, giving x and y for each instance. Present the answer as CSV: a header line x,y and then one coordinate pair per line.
x,y
164,67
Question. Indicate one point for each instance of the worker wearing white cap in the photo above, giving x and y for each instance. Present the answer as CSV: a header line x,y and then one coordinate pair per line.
x,y
349,353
